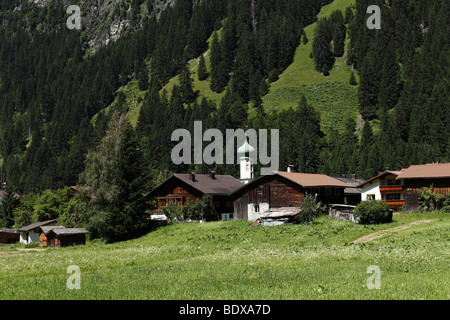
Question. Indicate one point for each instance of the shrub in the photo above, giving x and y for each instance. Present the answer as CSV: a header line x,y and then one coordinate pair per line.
x,y
372,212
310,208
430,200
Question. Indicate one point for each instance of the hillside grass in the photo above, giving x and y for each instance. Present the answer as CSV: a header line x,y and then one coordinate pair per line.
x,y
233,260
333,96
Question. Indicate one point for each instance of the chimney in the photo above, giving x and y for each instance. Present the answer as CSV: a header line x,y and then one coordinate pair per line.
x,y
193,176
289,168
212,175
354,176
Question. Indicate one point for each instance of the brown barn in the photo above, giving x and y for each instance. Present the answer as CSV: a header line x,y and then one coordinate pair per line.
x,y
417,177
9,236
284,190
181,187
59,236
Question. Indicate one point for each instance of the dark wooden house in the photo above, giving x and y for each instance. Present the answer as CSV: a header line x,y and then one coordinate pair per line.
x,y
9,236
416,177
181,187
59,236
284,190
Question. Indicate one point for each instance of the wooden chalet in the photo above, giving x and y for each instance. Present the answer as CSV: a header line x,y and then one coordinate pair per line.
x,y
284,190
181,187
416,177
60,236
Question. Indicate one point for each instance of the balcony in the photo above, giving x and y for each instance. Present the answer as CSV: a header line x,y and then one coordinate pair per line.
x,y
395,203
391,188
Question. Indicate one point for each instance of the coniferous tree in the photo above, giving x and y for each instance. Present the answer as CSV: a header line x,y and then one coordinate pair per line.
x,y
202,71
187,91
352,80
143,77
321,46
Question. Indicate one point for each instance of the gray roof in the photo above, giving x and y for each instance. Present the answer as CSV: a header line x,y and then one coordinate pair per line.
x,y
47,229
36,225
69,231
8,230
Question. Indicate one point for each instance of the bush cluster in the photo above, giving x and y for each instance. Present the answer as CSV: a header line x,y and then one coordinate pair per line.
x,y
372,212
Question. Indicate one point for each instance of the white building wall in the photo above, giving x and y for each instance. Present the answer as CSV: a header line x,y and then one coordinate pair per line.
x,y
371,188
252,214
28,237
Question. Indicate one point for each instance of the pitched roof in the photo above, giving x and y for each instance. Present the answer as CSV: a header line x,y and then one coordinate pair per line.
x,y
8,230
47,229
388,172
313,180
221,184
36,225
306,180
204,183
69,231
62,231
432,170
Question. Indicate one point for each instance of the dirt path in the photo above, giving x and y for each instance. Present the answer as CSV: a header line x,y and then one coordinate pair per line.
x,y
381,233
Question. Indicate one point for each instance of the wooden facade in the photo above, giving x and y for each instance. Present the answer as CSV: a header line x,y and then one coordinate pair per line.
x,y
275,191
181,188
9,236
412,188
55,240
59,236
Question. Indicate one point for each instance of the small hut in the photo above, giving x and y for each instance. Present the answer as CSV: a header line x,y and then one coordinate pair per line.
x,y
9,236
60,236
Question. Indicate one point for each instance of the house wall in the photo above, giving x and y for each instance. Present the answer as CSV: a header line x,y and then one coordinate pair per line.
x,y
76,239
254,214
43,241
9,237
371,188
412,189
29,237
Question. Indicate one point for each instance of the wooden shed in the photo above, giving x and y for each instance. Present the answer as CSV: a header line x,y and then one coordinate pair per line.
x,y
59,236
9,236
30,233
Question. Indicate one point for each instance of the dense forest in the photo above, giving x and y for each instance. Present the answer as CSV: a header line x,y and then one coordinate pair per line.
x,y
57,127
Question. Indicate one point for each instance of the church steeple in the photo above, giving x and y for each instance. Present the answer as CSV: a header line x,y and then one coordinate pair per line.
x,y
246,162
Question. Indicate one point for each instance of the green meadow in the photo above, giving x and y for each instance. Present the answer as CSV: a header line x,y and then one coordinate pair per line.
x,y
234,260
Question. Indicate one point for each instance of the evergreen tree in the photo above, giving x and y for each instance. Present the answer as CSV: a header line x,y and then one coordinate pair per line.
x,y
321,46
352,80
390,78
187,91
7,206
143,77
202,71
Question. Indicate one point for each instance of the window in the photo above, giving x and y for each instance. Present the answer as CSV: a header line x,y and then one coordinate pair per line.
x,y
393,196
370,197
256,208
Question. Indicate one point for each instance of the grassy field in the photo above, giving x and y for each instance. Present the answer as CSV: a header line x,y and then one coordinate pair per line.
x,y
233,260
